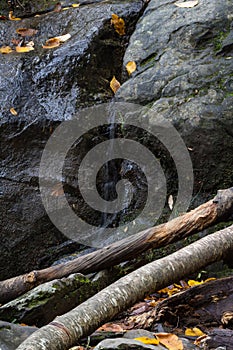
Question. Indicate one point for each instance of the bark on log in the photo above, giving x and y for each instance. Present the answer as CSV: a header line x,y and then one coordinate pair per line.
x,y
66,330
196,220
219,337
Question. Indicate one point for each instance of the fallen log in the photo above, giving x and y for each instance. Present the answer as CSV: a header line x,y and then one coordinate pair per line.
x,y
205,306
219,338
65,331
196,220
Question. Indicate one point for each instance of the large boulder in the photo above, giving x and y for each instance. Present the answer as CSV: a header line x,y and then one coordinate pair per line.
x,y
184,60
46,87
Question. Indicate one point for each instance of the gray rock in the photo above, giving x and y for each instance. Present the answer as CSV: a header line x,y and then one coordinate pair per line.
x,y
125,344
136,333
184,73
12,335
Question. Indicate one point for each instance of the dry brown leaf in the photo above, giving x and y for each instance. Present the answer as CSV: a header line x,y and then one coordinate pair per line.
x,y
63,38
57,190
111,327
22,49
6,49
170,341
51,43
118,23
15,41
187,4
131,67
13,111
114,84
26,31
12,17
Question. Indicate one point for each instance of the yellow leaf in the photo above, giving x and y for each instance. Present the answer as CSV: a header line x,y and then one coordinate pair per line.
x,y
13,111
118,23
210,279
170,341
131,67
12,17
6,49
24,48
194,332
146,340
51,43
63,38
192,283
187,4
114,19
75,5
114,84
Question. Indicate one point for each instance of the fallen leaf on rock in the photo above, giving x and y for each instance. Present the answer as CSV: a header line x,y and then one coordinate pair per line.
x,y
170,341
26,31
118,23
30,44
15,41
12,17
131,67
57,190
194,332
63,38
114,84
187,4
22,49
6,49
51,43
75,5
170,202
200,340
13,111
146,340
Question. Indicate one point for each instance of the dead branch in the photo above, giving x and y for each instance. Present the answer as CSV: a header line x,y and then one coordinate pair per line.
x,y
66,330
196,220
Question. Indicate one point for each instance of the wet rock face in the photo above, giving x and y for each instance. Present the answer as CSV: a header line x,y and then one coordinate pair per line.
x,y
46,87
184,72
